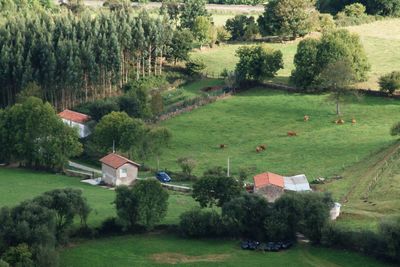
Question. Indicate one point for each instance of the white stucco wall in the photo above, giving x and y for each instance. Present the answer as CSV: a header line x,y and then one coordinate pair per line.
x,y
113,176
83,129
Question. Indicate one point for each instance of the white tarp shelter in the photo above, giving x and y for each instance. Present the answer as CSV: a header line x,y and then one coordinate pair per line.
x,y
296,183
335,211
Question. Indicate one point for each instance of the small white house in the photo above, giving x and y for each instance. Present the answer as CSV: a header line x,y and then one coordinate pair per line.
x,y
118,170
297,183
76,120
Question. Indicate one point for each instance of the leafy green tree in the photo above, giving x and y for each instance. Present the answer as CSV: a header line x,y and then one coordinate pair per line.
x,y
38,139
337,77
190,10
258,63
288,18
242,28
172,9
390,82
305,62
316,208
156,103
67,203
126,204
181,45
245,216
202,30
313,56
110,131
289,207
152,202
215,190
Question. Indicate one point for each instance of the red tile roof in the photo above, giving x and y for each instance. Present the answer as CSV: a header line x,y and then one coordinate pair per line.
x,y
115,161
74,116
268,178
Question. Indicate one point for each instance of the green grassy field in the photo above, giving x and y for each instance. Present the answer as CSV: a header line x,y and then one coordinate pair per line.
x,y
369,189
262,116
166,250
17,185
381,41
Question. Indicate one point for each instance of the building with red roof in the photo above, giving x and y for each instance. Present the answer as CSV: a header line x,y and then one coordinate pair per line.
x,y
118,170
270,185
76,120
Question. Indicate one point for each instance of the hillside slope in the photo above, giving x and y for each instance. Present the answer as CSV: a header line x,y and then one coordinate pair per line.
x,y
370,189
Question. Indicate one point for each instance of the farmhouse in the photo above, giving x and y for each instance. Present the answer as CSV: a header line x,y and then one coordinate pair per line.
x,y
76,120
272,185
118,170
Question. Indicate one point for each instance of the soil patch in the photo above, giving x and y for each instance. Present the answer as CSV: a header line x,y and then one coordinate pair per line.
x,y
175,258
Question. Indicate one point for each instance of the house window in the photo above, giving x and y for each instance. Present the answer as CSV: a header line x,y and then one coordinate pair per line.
x,y
123,173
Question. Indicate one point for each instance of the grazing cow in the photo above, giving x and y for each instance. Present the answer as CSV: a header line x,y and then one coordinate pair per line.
x,y
291,133
263,147
306,117
258,149
222,146
353,121
339,121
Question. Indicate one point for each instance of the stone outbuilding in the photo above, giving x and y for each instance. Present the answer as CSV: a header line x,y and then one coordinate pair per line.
x,y
118,170
272,185
76,120
269,185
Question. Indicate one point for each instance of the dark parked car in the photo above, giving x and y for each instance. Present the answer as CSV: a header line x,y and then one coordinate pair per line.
x,y
286,244
272,246
251,245
163,177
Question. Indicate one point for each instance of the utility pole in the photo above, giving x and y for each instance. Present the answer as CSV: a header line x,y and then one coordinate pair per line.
x,y
113,146
227,170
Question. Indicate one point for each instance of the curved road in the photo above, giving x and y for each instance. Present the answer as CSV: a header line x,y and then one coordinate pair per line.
x,y
233,8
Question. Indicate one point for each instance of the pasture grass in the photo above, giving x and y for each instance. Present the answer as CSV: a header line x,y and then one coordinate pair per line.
x,y
263,116
17,185
165,250
381,40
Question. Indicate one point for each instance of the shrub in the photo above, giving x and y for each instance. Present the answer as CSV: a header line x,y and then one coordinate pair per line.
x,y
3,263
390,82
98,108
198,223
395,130
20,255
242,28
194,67
354,10
389,229
110,226
187,165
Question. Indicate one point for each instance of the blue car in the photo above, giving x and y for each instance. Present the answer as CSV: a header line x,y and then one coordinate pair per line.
x,y
163,177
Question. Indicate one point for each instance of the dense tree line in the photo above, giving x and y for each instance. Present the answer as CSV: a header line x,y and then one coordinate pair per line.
x,y
250,216
78,58
373,7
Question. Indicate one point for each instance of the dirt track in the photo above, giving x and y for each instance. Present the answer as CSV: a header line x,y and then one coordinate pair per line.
x,y
233,8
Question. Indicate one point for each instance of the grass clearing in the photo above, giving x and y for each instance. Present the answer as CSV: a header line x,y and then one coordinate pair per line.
x,y
165,250
381,40
28,184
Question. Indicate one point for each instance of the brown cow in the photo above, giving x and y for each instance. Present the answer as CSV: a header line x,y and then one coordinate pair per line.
x,y
306,117
353,121
222,146
263,147
258,149
339,121
291,133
